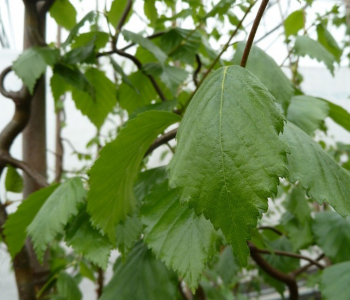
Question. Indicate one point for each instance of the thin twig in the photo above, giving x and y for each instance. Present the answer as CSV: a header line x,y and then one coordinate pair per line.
x,y
121,22
275,230
304,268
197,70
253,32
150,37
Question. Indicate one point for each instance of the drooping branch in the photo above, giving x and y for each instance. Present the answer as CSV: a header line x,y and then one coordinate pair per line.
x,y
166,137
288,279
253,32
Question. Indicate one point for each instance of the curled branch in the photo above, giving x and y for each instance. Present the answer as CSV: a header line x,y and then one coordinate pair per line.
x,y
197,70
20,95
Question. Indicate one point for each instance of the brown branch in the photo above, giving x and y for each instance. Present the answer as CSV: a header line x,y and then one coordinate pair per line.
x,y
182,293
275,230
289,254
197,70
253,32
200,294
307,266
166,137
100,282
121,23
139,66
227,44
288,279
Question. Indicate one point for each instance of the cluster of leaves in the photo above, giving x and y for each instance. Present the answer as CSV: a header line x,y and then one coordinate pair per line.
x,y
243,131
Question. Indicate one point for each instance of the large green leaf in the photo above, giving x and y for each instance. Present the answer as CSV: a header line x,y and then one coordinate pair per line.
x,y
268,72
13,180
326,39
141,277
307,112
176,234
332,233
15,228
323,179
227,266
147,44
229,155
32,63
88,241
64,13
294,22
111,196
67,287
55,213
335,283
96,109
305,46
100,39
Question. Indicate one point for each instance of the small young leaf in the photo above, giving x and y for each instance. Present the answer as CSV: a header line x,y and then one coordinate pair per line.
x,y
13,180
111,196
16,225
326,39
339,115
88,241
336,282
55,213
307,112
229,155
323,179
67,287
268,72
32,63
332,233
147,44
64,13
97,108
305,46
176,234
141,277
294,22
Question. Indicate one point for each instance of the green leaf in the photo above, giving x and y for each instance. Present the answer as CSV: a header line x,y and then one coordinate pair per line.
x,y
118,69
332,233
172,77
268,72
13,180
128,231
282,263
96,109
111,196
305,46
141,277
161,106
326,39
339,115
176,234
55,213
64,14
297,205
86,271
32,63
149,7
336,282
86,240
307,113
116,11
67,287
181,44
58,86
323,179
100,39
229,155
89,17
294,22
146,44
83,54
15,228
227,266
131,99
